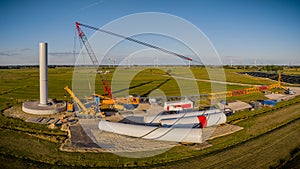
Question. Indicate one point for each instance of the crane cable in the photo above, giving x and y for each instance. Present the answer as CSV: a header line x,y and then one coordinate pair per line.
x,y
74,47
137,41
83,58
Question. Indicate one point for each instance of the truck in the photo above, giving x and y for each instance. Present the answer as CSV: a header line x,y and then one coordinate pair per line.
x,y
178,105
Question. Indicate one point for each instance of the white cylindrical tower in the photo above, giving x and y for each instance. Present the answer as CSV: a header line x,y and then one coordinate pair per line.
x,y
42,107
43,52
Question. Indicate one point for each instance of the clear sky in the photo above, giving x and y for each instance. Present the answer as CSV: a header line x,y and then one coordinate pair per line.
x,y
267,31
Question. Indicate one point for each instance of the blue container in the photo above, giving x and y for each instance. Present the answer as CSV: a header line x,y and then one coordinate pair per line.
x,y
269,102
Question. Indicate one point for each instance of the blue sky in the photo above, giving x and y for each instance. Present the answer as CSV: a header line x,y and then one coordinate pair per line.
x,y
267,31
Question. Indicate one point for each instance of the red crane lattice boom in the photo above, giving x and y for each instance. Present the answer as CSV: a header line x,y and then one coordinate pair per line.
x,y
105,83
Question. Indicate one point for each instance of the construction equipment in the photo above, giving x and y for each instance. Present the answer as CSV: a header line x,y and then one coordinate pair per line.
x,y
105,102
106,85
108,103
134,100
70,107
84,110
277,88
132,40
278,84
289,91
81,105
129,102
279,81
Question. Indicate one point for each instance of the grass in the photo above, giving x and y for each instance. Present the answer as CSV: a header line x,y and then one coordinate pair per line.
x,y
267,150
19,85
231,75
23,84
291,71
147,80
248,97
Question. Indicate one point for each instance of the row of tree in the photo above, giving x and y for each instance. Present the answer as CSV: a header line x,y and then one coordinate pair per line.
x,y
268,68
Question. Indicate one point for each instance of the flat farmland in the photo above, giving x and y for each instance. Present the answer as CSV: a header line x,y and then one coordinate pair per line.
x,y
24,83
269,138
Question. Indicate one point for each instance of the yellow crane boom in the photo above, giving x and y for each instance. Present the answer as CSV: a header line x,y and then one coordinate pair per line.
x,y
76,99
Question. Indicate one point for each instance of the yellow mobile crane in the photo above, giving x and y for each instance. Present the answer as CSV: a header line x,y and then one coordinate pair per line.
x,y
278,87
81,105
279,82
108,103
84,110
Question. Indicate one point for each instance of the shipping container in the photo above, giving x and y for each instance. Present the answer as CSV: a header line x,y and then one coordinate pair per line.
x,y
269,102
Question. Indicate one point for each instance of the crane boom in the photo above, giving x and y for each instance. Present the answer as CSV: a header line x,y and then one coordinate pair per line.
x,y
107,89
76,99
106,85
87,45
136,41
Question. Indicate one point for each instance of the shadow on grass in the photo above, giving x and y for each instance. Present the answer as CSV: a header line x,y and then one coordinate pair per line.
x,y
158,86
132,87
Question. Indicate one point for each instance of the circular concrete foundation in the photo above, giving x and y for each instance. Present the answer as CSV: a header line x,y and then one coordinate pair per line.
x,y
34,107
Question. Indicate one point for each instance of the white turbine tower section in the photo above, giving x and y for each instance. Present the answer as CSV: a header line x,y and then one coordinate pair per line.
x,y
43,53
42,107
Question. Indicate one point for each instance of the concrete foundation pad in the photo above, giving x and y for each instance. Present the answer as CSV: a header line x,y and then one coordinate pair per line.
x,y
34,107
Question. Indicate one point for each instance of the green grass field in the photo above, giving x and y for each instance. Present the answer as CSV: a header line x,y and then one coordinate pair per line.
x,y
23,84
291,71
269,136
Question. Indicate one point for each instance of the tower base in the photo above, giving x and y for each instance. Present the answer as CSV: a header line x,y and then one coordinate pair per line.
x,y
34,107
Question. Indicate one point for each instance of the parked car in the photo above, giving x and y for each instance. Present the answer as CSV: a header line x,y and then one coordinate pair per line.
x,y
228,111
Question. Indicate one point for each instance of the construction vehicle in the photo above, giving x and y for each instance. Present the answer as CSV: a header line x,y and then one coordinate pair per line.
x,y
278,88
281,89
70,107
134,101
129,102
106,103
81,105
289,91
84,110
278,84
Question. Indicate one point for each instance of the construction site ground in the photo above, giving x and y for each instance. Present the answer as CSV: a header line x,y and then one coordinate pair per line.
x,y
57,119
86,133
283,97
